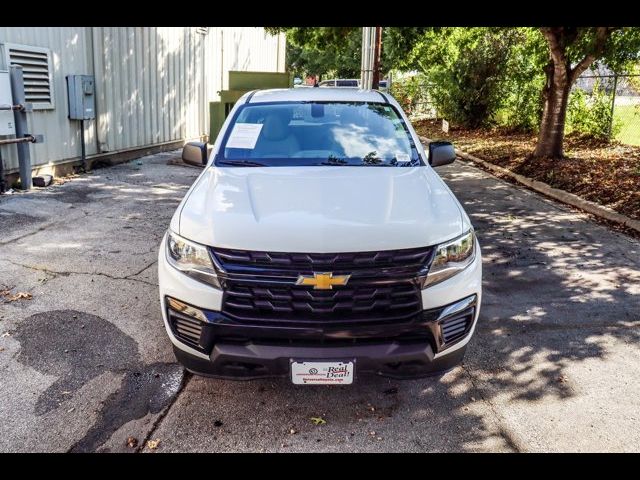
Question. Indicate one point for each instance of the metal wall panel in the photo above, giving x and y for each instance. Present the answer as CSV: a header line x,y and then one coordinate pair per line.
x,y
244,49
153,84
69,56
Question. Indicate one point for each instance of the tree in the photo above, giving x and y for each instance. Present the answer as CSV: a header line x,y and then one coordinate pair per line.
x,y
338,50
323,50
467,68
572,50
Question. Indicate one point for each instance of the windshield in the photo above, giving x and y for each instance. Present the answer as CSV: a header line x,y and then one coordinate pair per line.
x,y
318,133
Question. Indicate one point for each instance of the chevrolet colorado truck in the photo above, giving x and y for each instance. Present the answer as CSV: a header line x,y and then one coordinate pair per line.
x,y
319,244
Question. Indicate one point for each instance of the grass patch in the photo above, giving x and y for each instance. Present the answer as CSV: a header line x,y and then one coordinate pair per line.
x,y
628,117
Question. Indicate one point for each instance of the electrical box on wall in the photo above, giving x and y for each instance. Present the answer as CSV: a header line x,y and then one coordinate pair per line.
x,y
7,127
82,98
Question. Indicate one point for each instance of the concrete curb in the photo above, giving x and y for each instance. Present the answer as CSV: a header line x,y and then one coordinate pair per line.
x,y
555,193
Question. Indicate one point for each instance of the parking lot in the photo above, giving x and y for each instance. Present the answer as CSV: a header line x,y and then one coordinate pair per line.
x,y
86,364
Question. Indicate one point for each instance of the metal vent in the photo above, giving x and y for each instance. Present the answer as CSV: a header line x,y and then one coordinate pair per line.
x,y
456,328
186,329
202,30
36,68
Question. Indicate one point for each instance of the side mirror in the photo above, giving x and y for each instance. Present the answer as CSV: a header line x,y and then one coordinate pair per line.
x,y
441,153
195,153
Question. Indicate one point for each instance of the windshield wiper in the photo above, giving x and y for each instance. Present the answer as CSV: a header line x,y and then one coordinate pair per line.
x,y
241,163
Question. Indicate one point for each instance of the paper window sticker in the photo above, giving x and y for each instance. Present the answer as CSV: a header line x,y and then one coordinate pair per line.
x,y
403,157
244,135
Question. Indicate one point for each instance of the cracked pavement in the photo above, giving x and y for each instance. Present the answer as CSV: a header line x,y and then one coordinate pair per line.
x,y
554,364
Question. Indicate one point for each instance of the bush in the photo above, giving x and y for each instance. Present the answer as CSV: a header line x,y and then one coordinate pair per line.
x,y
410,92
481,76
522,105
467,88
590,115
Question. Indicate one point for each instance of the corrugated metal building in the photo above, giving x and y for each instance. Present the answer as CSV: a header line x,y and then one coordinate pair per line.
x,y
153,84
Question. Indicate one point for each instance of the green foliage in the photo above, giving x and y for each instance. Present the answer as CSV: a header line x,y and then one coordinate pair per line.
x,y
476,76
521,106
410,92
590,115
401,46
621,51
328,51
336,51
466,68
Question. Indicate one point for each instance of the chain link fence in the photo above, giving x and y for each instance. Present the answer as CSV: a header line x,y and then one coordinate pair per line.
x,y
413,95
617,97
424,107
622,92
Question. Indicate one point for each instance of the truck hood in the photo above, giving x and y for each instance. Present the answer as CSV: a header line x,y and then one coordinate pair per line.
x,y
320,209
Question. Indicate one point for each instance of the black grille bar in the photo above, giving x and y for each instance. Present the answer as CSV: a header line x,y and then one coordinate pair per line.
x,y
410,262
259,287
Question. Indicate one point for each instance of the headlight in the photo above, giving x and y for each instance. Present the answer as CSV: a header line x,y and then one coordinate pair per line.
x,y
451,257
191,259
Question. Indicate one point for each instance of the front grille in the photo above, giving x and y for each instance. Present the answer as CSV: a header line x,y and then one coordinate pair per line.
x,y
186,329
410,261
343,305
259,287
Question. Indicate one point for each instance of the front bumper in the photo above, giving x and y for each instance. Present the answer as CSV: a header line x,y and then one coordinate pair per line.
x,y
253,361
223,348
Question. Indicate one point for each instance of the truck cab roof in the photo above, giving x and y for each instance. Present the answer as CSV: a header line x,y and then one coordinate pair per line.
x,y
324,94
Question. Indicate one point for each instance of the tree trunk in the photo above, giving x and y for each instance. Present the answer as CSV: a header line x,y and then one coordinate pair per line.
x,y
556,96
560,77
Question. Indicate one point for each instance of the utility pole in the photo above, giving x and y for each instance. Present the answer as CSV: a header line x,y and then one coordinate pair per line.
x,y
367,58
371,46
376,58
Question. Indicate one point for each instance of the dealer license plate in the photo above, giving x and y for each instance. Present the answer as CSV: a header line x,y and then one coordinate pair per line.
x,y
322,373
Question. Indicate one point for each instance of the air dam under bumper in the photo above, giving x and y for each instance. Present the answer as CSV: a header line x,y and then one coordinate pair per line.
x,y
256,361
225,349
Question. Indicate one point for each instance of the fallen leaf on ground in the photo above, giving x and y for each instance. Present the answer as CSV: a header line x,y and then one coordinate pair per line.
x,y
19,296
318,420
1,349
153,444
132,442
292,431
603,172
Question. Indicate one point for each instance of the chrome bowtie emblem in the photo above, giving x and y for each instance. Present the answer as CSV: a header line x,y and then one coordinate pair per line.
x,y
322,281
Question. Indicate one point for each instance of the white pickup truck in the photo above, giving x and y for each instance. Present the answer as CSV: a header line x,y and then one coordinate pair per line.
x,y
319,244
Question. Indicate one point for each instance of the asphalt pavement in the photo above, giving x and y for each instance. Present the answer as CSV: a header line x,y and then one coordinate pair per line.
x,y
85,363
